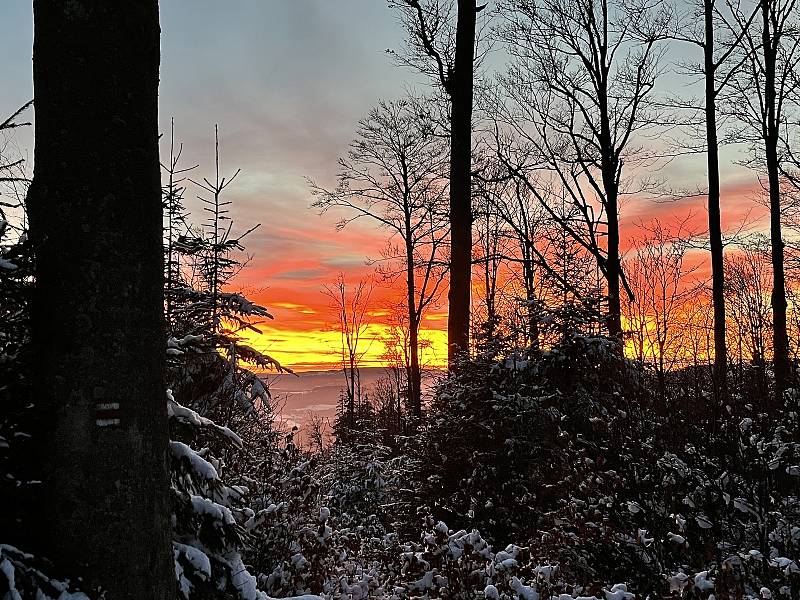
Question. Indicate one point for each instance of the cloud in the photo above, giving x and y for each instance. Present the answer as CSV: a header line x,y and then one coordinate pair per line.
x,y
315,407
308,273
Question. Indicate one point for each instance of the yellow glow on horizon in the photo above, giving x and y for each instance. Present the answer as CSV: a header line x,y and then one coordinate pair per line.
x,y
320,349
301,308
677,351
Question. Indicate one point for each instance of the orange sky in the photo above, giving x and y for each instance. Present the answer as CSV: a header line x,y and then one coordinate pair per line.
x,y
304,336
287,83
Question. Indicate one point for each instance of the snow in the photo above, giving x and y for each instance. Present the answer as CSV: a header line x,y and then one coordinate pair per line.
x,y
196,557
545,573
246,583
7,569
184,585
14,556
7,265
634,507
703,521
187,415
425,583
702,582
199,465
618,591
678,581
523,591
788,565
204,506
243,580
678,539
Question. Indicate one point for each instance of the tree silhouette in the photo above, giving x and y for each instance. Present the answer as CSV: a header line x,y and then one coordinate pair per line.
x,y
580,97
763,101
393,175
450,55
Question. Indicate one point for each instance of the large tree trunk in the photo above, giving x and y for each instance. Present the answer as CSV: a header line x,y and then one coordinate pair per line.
x,y
460,89
780,338
98,324
714,219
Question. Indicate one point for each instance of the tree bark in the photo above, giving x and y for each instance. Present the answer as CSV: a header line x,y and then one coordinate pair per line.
x,y
97,317
613,264
714,215
609,173
414,375
530,298
611,189
460,89
780,338
351,394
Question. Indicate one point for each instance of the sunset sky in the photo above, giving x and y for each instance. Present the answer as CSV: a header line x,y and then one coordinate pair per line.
x,y
287,81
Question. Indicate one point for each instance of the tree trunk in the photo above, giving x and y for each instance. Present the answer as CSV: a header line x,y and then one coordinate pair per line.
x,y
529,277
609,167
614,321
414,377
351,395
460,89
714,218
780,338
613,264
97,317
489,282
415,374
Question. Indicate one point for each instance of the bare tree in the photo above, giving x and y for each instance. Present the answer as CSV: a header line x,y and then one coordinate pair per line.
x,y
351,310
13,175
491,250
397,366
385,396
393,175
580,96
748,281
763,100
721,59
522,217
659,277
448,55
318,433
